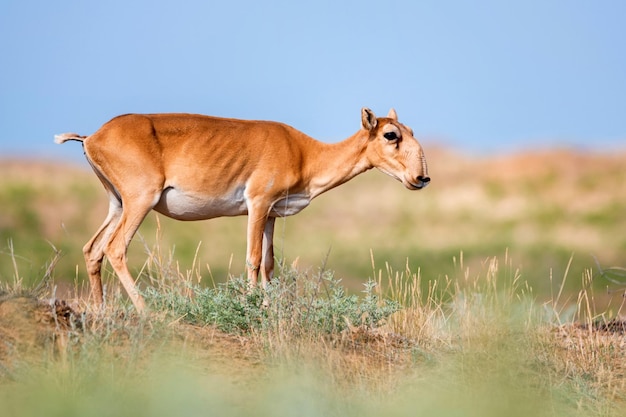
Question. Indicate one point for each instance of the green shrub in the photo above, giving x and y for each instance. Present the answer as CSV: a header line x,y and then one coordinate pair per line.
x,y
297,301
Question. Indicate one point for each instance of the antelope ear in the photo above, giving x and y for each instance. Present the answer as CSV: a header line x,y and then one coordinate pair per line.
x,y
368,119
393,115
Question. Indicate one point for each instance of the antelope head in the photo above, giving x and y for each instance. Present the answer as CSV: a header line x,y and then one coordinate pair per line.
x,y
393,149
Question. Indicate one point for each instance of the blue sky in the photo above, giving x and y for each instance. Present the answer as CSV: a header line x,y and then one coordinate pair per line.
x,y
481,76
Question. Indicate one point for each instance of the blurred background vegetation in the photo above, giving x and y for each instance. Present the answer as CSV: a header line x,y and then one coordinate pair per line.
x,y
540,209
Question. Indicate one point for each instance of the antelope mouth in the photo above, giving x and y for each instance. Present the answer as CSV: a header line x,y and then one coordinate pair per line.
x,y
421,182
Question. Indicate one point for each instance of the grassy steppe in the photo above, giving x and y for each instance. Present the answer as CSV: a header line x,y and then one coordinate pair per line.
x,y
482,298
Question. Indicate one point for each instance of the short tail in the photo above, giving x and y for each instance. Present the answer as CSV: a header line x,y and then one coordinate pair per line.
x,y
64,137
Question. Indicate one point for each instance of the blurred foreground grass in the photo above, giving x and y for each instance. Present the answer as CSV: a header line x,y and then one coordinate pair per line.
x,y
476,343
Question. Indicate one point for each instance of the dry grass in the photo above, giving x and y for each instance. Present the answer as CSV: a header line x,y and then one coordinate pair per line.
x,y
477,341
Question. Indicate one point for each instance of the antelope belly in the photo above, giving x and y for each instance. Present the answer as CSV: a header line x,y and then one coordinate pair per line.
x,y
183,205
290,205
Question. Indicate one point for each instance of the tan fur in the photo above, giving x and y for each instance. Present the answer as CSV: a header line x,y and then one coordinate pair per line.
x,y
193,167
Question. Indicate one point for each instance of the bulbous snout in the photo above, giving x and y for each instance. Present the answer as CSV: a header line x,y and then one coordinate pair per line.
x,y
422,179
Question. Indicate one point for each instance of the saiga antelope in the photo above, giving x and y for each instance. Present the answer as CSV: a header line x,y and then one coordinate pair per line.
x,y
193,167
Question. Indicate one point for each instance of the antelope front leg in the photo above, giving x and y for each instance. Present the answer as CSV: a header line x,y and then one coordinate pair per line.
x,y
254,252
267,262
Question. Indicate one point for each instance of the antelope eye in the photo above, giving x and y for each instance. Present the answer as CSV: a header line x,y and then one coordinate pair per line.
x,y
390,136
